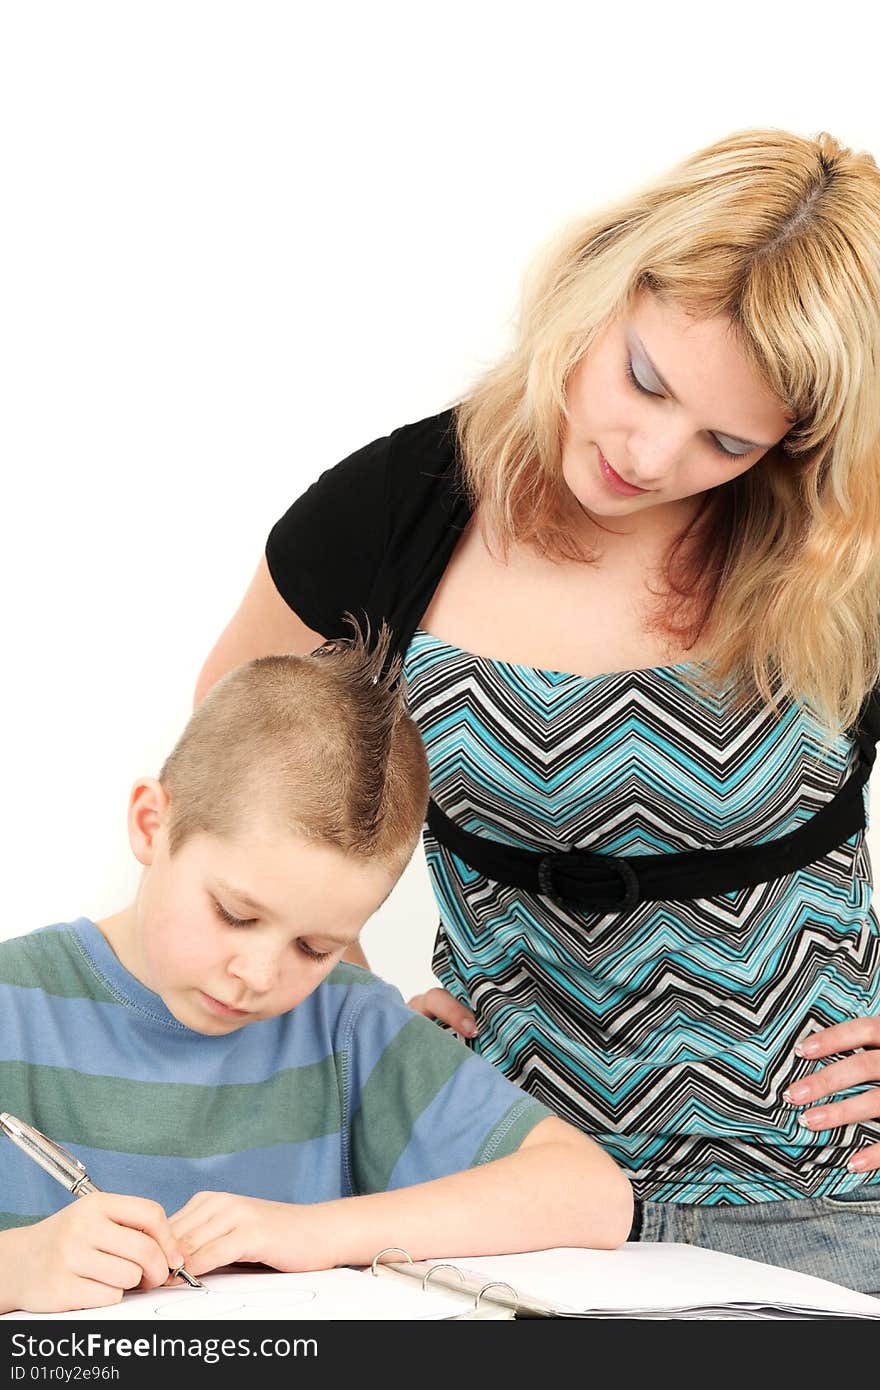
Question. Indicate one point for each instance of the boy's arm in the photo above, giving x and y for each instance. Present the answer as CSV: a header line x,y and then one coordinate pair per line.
x,y
558,1188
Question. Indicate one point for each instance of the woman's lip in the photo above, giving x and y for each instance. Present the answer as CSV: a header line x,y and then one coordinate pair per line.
x,y
218,1007
615,480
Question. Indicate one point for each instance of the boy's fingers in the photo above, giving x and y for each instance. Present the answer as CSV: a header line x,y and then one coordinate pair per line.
x,y
203,1233
138,1214
92,1294
223,1251
203,1244
152,1258
198,1212
110,1270
184,1213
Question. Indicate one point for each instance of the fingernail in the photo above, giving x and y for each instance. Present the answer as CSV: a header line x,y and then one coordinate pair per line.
x,y
806,1048
795,1094
812,1119
469,1030
857,1164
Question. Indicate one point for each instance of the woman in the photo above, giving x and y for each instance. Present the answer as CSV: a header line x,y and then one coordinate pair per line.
x,y
635,580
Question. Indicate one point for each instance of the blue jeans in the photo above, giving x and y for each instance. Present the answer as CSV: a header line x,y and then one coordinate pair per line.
x,y
836,1238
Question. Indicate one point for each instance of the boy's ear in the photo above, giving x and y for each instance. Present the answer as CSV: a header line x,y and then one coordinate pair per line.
x,y
148,813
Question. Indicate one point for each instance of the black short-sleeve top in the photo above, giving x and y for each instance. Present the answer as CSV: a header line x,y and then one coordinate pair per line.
x,y
374,534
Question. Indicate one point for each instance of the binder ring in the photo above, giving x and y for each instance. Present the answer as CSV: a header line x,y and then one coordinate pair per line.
x,y
389,1250
496,1284
433,1270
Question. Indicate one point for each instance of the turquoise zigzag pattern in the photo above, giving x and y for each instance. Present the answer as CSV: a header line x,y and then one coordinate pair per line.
x,y
666,1032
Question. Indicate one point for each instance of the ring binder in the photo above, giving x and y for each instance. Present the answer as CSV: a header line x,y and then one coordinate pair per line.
x,y
497,1284
434,1268
638,1280
389,1250
441,1274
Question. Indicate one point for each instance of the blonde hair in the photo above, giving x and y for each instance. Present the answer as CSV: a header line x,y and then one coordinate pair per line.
x,y
780,577
318,746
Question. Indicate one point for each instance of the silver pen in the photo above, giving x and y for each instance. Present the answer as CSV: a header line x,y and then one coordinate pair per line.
x,y
62,1166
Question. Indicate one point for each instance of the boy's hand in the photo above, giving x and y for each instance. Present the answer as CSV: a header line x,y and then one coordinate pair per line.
x,y
221,1228
86,1255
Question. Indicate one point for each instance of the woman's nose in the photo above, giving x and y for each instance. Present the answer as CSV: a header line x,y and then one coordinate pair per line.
x,y
655,456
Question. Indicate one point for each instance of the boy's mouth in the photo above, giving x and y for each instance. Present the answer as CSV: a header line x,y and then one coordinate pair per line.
x,y
216,1006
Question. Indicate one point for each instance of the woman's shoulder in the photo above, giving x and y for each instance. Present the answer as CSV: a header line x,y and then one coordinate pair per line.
x,y
412,459
383,509
407,474
423,452
423,463
435,435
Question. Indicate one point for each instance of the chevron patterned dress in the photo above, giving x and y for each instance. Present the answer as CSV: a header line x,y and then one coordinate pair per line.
x,y
666,1032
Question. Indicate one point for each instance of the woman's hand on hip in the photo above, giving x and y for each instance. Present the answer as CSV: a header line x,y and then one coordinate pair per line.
x,y
861,1038
440,1004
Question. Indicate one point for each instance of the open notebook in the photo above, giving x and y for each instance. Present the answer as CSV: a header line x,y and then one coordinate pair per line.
x,y
638,1280
239,1294
645,1280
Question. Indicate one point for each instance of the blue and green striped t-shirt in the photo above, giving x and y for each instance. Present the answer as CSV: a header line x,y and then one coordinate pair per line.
x,y
348,1093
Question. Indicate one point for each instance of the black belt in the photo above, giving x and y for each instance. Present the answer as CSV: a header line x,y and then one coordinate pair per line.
x,y
615,883
635,1230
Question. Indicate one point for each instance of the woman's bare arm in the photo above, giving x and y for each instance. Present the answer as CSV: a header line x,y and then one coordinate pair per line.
x,y
263,625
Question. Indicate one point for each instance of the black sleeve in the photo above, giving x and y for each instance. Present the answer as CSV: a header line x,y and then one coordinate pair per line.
x,y
325,551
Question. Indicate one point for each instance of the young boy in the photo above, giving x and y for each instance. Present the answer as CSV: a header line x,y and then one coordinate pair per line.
x,y
204,1052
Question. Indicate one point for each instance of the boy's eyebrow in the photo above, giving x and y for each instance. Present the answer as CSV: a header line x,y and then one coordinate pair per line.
x,y
242,896
247,901
734,439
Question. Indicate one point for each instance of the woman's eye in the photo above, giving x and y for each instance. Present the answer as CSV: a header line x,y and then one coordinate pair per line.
x,y
233,921
728,453
635,381
716,443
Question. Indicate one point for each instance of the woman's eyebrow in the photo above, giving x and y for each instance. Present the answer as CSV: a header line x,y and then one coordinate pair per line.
x,y
734,439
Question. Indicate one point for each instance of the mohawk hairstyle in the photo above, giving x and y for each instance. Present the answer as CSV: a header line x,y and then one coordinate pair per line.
x,y
319,746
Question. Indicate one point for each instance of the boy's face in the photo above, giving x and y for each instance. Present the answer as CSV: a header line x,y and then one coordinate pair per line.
x,y
228,932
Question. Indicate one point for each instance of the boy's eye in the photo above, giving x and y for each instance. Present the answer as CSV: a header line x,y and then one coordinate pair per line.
x,y
228,917
312,954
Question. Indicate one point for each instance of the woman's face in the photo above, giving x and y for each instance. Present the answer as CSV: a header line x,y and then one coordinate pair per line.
x,y
694,415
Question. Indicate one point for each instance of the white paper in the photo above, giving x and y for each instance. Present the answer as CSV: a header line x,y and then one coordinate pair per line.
x,y
244,1295
660,1275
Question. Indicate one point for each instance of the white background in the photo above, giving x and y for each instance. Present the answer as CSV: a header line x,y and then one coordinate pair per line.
x,y
241,239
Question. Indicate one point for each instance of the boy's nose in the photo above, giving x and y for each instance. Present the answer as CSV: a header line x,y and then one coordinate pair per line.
x,y
258,971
